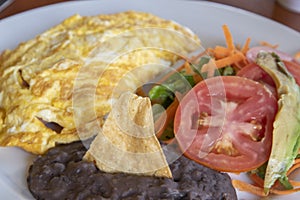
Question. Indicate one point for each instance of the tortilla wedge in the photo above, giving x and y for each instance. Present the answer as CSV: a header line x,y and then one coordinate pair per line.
x,y
127,142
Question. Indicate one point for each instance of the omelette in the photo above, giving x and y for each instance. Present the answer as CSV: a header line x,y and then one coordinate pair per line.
x,y
59,86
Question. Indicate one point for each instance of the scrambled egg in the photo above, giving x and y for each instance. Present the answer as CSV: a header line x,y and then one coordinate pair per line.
x,y
46,83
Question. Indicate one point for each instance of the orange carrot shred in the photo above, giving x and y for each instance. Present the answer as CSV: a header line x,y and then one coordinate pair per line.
x,y
297,55
257,180
295,183
243,186
246,46
257,188
284,192
295,166
161,124
221,52
237,57
230,54
188,68
228,38
264,43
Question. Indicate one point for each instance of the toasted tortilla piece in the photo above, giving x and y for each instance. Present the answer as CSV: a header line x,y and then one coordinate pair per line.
x,y
127,142
37,79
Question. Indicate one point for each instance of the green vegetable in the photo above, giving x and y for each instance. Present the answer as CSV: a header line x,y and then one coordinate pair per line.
x,y
224,71
168,132
227,71
164,94
161,95
261,171
286,133
197,67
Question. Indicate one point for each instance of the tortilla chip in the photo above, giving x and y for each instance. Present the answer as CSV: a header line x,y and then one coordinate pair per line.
x,y
127,142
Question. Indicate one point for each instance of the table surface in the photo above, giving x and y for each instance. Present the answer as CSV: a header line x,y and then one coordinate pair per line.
x,y
268,8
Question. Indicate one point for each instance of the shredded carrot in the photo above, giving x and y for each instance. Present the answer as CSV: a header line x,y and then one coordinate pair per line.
x,y
221,52
243,186
197,78
284,192
228,38
246,46
188,68
239,65
297,56
295,166
237,57
161,123
295,183
264,43
230,54
210,51
257,180
258,189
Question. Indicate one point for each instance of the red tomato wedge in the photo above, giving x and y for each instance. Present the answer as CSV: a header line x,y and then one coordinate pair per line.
x,y
226,123
294,69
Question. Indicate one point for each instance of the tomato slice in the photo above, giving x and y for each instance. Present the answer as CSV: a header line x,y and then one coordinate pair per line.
x,y
256,73
294,69
226,123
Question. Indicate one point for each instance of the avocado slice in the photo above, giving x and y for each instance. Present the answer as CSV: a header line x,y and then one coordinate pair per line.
x,y
286,132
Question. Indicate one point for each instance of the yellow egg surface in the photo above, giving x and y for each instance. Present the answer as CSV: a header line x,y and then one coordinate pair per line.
x,y
67,78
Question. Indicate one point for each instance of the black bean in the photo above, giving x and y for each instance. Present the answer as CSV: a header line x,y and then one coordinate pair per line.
x,y
62,174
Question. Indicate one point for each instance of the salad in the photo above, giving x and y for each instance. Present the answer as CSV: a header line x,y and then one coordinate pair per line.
x,y
236,109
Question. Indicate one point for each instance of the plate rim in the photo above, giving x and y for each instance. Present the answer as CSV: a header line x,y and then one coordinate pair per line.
x,y
204,2
226,8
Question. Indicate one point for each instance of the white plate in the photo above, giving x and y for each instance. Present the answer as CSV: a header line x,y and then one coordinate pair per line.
x,y
203,18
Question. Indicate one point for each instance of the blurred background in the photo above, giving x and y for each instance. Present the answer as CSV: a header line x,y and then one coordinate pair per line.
x,y
269,8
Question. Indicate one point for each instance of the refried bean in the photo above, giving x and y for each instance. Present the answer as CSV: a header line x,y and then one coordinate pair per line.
x,y
62,174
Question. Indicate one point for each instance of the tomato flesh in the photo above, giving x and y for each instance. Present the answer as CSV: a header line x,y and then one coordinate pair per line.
x,y
294,69
226,123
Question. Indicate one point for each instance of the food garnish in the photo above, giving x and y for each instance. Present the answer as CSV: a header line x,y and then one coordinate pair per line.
x,y
225,123
245,66
231,54
127,142
286,134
